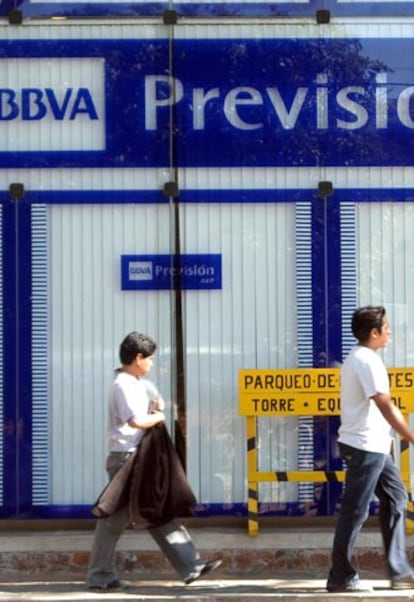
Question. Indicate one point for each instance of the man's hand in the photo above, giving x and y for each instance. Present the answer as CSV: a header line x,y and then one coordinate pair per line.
x,y
393,416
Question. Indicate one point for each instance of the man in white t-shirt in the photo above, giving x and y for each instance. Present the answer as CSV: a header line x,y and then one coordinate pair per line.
x,y
365,443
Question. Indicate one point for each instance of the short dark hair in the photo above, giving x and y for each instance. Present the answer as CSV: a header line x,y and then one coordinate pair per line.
x,y
366,318
133,344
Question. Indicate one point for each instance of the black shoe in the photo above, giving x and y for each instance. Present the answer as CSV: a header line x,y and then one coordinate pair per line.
x,y
116,584
203,570
406,582
354,586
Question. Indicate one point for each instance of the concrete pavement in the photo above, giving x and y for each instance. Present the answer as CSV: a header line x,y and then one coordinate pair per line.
x,y
291,588
283,564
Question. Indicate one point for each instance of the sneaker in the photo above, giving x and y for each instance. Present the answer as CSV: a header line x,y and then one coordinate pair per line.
x,y
353,587
406,582
203,570
116,584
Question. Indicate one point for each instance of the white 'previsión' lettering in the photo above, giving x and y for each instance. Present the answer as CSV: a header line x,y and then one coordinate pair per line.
x,y
189,270
358,106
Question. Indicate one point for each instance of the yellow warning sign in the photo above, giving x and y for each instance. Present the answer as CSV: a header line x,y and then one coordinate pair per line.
x,y
312,391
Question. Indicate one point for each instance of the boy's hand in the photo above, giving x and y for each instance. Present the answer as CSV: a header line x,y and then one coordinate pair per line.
x,y
157,405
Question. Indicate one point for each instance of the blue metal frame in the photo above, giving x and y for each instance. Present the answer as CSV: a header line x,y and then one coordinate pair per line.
x,y
17,445
326,279
206,9
212,196
327,339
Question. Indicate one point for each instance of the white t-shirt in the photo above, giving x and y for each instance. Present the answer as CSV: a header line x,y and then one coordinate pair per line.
x,y
363,375
128,397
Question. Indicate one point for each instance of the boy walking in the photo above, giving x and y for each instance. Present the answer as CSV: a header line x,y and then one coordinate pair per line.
x,y
134,407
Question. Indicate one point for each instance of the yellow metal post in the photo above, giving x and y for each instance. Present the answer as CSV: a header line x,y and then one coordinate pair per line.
x,y
253,485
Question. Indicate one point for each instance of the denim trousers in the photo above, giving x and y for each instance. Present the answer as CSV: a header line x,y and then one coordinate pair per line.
x,y
369,473
172,538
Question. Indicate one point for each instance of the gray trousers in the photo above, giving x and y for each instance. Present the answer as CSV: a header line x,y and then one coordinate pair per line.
x,y
172,538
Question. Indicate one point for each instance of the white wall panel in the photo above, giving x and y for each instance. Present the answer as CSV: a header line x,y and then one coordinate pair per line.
x,y
89,316
205,28
305,28
209,179
91,29
386,270
251,323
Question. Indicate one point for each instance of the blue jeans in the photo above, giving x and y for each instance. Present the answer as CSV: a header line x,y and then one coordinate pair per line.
x,y
369,473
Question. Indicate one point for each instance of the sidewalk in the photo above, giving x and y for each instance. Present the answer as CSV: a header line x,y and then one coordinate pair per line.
x,y
280,564
218,589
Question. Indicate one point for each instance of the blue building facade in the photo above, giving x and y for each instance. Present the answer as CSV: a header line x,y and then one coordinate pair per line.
x,y
233,178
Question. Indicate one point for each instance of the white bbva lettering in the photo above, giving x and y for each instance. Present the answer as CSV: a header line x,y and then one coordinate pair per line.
x,y
32,104
356,106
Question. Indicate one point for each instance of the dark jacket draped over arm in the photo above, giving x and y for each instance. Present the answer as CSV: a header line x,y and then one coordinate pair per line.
x,y
152,482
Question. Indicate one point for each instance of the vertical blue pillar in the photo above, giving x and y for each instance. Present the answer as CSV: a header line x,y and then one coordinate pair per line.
x,y
327,337
17,352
